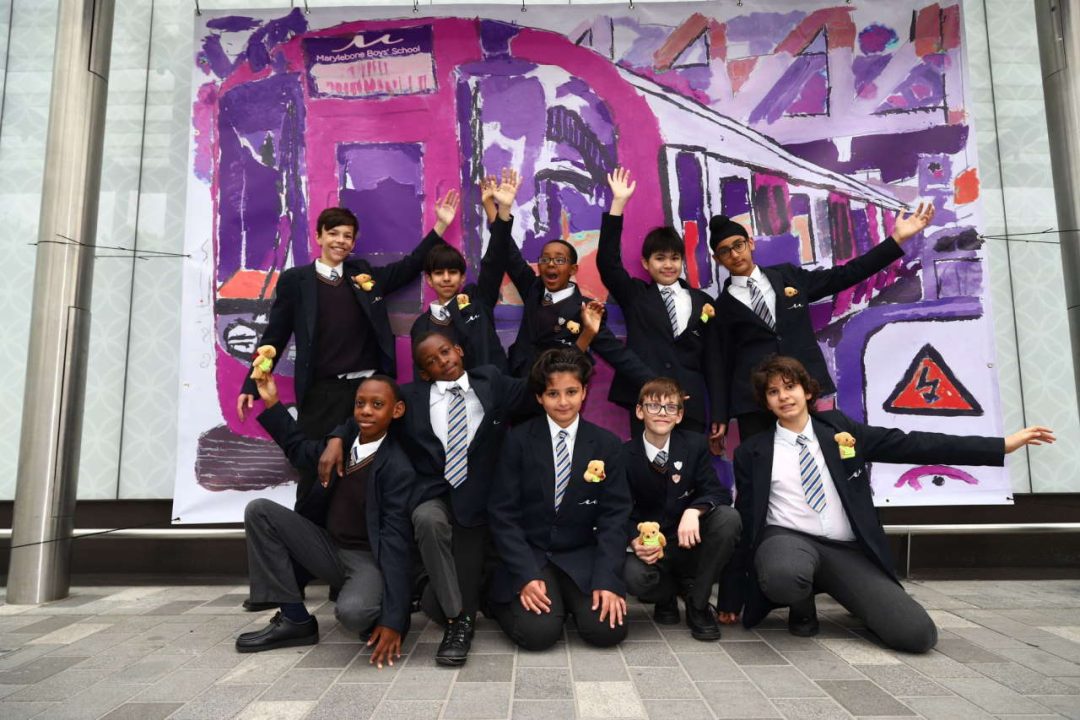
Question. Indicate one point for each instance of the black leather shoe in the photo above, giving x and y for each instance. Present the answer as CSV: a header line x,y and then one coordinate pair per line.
x,y
802,619
250,606
666,613
457,639
281,632
702,623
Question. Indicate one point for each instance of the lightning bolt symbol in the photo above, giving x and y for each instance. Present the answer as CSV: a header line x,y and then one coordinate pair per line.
x,y
930,395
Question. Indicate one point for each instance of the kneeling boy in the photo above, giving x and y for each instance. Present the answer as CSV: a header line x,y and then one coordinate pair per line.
x,y
673,483
358,539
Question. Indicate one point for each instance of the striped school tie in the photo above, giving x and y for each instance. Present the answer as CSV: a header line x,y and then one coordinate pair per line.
x,y
548,299
659,461
562,468
810,474
669,302
334,276
457,433
757,302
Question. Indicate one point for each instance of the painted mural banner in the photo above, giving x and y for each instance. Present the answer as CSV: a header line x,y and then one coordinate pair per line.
x,y
811,123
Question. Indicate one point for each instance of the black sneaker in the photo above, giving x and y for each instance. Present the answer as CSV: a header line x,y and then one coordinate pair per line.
x,y
667,612
281,632
802,619
457,639
702,622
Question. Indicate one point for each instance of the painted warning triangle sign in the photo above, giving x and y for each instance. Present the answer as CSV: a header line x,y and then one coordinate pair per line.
x,y
929,387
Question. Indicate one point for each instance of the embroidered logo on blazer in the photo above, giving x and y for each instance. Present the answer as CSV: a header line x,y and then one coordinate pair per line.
x,y
678,464
470,318
684,495
587,502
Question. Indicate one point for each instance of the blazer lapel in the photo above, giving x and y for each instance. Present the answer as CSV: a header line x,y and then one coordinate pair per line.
x,y
773,276
831,451
543,456
307,299
421,397
583,453
740,308
659,309
483,392
763,466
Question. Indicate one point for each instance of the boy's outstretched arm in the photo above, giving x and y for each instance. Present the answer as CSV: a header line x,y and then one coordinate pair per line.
x,y
276,420
521,274
279,329
493,265
609,260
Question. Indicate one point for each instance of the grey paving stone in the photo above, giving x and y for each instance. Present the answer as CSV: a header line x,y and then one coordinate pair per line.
x,y
219,701
92,703
1064,704
987,638
478,701
143,711
426,685
753,653
60,686
407,710
993,696
705,667
18,658
423,655
862,697
812,709
782,682
22,710
934,664
644,632
783,640
356,702
556,656
491,642
659,683
1025,680
902,680
331,655
608,667
38,669
821,664
301,684
543,710
6,690
736,700
362,671
174,608
542,684
258,668
229,600
966,652
679,639
1038,660
681,709
49,624
149,669
75,600
605,700
487,668
947,708
180,685
647,654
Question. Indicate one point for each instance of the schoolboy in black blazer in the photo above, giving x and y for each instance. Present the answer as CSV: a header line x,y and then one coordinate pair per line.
x,y
466,312
353,532
558,514
766,310
673,483
335,311
675,349
808,517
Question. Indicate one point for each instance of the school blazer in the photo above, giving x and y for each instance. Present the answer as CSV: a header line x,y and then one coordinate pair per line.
x,y
525,350
753,479
474,325
649,334
586,538
689,481
387,506
501,396
294,311
742,339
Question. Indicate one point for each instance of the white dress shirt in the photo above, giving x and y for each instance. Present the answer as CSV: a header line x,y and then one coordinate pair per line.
x,y
787,501
683,304
651,451
571,429
561,295
362,451
441,312
439,397
741,292
324,270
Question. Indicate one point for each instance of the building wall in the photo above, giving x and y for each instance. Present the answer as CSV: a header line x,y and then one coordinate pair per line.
x,y
130,427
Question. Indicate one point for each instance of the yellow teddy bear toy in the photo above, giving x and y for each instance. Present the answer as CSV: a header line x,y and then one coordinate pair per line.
x,y
263,362
594,473
846,442
650,536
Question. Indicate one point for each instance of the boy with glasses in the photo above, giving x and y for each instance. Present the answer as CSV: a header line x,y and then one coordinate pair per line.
x,y
673,483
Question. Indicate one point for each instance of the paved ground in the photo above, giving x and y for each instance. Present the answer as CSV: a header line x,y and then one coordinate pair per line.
x,y
1008,649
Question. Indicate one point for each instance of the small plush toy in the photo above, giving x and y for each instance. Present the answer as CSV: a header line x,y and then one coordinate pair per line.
x,y
364,281
790,291
650,536
263,361
573,327
594,473
462,301
707,311
846,442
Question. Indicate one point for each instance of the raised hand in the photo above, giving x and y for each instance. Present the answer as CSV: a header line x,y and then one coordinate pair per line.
x,y
267,390
1034,435
592,313
507,189
621,189
446,210
909,225
488,185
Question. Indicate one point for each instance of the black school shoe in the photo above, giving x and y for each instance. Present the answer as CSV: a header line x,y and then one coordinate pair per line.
x,y
252,606
281,632
667,612
702,622
802,619
457,639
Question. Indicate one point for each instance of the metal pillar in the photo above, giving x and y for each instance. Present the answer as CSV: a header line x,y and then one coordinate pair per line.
x,y
60,325
1058,26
